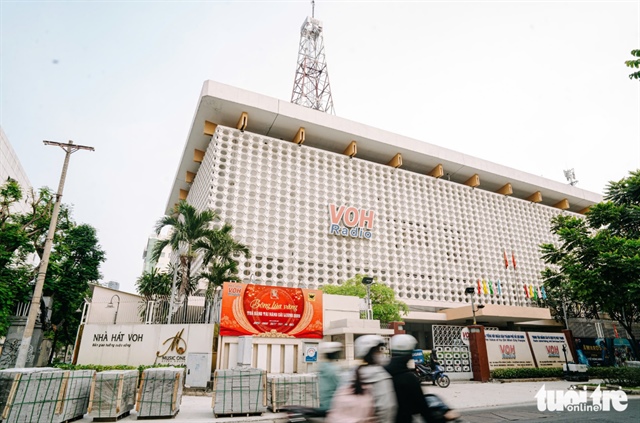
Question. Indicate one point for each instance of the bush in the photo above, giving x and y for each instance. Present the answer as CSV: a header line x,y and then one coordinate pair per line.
x,y
526,373
101,368
623,376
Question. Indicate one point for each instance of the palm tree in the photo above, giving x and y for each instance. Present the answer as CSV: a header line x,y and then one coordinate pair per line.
x,y
634,64
154,285
188,227
219,251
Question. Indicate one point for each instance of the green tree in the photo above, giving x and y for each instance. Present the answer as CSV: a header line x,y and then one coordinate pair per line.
x,y
15,246
74,263
155,286
219,252
386,307
634,64
188,227
596,263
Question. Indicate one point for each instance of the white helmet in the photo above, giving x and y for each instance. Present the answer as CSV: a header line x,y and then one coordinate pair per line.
x,y
329,347
364,344
402,344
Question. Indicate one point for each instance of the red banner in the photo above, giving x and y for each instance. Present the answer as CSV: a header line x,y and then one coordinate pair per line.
x,y
256,309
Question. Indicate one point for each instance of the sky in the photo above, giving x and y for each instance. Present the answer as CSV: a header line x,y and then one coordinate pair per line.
x,y
538,86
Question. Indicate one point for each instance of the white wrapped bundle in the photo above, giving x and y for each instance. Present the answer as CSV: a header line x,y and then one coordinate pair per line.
x,y
113,394
31,394
292,389
160,392
76,396
239,391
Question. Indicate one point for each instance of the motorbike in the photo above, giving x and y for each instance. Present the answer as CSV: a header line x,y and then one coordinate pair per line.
x,y
300,414
437,377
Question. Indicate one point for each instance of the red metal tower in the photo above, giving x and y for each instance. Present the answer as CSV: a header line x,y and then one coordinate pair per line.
x,y
311,85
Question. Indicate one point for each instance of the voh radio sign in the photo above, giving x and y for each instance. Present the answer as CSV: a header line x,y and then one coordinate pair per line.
x,y
351,221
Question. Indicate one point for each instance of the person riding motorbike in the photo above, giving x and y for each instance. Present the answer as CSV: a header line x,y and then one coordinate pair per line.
x,y
407,386
328,373
370,348
433,361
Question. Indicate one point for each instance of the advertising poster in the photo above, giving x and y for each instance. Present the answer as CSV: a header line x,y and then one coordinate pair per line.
x,y
508,349
547,348
603,351
249,309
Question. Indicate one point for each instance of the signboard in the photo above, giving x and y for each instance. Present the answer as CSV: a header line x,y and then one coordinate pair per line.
x,y
310,353
139,344
508,349
350,221
249,309
547,348
464,336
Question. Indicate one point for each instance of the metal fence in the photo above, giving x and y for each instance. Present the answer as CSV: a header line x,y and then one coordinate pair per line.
x,y
196,310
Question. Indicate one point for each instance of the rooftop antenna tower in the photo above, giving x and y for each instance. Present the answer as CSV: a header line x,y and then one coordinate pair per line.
x,y
311,85
570,174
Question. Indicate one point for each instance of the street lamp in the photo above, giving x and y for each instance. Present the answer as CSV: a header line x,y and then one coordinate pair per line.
x,y
110,305
470,291
367,281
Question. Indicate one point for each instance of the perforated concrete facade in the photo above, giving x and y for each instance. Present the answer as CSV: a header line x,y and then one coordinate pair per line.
x,y
431,238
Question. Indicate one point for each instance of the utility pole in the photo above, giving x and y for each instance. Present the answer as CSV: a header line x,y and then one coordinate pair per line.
x,y
23,352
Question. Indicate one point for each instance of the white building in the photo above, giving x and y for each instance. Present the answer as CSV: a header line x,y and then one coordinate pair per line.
x,y
162,265
425,220
10,167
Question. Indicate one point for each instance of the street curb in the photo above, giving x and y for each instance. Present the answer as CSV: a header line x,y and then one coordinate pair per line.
x,y
534,379
627,391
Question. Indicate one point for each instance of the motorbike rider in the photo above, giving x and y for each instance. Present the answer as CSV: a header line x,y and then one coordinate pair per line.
x,y
328,373
370,348
433,361
408,390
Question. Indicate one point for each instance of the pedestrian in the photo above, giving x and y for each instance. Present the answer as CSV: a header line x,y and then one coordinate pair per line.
x,y
328,373
409,395
370,349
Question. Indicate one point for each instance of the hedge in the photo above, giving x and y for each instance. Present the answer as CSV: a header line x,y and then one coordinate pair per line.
x,y
623,376
526,373
101,368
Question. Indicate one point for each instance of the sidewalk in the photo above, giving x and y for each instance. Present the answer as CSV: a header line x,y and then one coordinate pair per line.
x,y
462,396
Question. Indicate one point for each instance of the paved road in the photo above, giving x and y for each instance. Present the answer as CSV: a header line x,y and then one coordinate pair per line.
x,y
530,414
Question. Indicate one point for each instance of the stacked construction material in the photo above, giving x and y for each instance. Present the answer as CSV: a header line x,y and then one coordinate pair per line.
x,y
239,391
75,400
30,394
160,392
113,394
292,389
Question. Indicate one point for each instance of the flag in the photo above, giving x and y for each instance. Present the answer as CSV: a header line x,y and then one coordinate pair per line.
x,y
535,293
615,331
484,287
499,288
479,288
506,260
530,291
543,292
513,260
526,291
491,287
